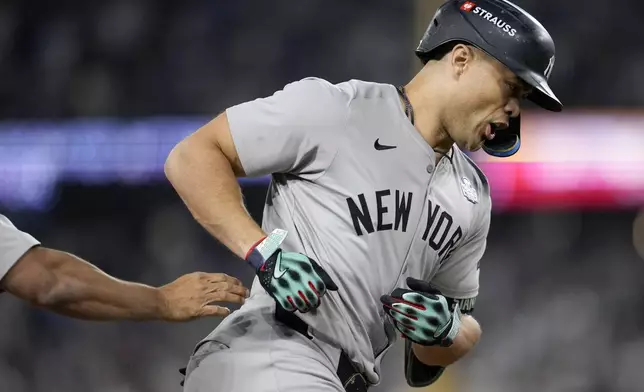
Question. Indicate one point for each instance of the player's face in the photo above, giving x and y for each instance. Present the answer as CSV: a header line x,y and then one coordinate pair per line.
x,y
487,96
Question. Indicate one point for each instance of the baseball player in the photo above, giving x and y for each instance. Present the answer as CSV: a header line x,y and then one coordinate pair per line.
x,y
68,285
375,219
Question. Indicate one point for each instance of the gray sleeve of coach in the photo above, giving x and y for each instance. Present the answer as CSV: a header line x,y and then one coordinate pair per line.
x,y
13,245
294,131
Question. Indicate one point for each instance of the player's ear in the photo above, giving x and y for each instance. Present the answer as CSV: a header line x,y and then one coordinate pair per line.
x,y
461,57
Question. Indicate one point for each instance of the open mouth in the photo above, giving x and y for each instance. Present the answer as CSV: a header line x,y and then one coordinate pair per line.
x,y
493,128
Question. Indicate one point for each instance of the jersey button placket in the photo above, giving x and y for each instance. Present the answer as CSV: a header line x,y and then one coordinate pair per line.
x,y
405,267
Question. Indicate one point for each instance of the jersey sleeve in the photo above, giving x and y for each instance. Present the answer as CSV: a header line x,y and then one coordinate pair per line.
x,y
13,245
458,277
293,131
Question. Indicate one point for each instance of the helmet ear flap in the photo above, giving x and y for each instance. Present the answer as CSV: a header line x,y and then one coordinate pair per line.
x,y
507,142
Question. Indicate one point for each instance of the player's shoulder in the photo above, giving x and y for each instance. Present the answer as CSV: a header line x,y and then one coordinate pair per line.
x,y
5,223
319,87
345,91
471,173
361,89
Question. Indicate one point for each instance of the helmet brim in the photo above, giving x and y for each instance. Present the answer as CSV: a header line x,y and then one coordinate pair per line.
x,y
542,95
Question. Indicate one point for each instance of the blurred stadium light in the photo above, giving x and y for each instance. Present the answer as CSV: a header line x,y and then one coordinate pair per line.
x,y
575,159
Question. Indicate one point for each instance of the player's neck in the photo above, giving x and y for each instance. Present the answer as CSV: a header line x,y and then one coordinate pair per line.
x,y
425,95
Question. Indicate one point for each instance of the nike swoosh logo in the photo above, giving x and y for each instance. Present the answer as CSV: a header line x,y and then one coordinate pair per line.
x,y
438,333
278,272
381,147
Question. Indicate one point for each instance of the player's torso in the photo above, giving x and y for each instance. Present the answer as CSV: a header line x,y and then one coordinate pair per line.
x,y
385,208
382,211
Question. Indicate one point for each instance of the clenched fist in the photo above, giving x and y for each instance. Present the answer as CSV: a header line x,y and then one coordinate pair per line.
x,y
422,314
192,296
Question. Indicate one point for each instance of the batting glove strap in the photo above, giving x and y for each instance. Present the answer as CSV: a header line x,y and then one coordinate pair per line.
x,y
265,248
255,259
450,333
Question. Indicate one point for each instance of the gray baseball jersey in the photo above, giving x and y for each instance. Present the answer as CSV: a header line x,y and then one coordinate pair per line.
x,y
359,190
13,244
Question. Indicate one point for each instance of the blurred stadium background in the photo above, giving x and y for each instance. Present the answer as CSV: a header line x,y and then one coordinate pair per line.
x,y
94,94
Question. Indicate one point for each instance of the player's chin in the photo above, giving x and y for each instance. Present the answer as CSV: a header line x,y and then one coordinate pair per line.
x,y
477,147
474,146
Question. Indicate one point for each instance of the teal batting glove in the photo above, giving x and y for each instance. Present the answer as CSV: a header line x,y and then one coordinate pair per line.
x,y
422,314
294,280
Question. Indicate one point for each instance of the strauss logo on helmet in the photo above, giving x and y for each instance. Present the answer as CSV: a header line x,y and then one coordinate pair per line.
x,y
500,23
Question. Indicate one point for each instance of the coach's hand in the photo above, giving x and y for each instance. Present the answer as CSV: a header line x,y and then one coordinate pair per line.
x,y
294,280
422,314
192,296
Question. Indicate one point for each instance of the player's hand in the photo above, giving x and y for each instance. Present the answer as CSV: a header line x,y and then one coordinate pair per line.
x,y
294,280
192,296
422,314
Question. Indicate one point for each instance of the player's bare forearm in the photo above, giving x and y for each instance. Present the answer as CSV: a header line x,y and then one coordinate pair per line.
x,y
468,335
203,169
66,284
